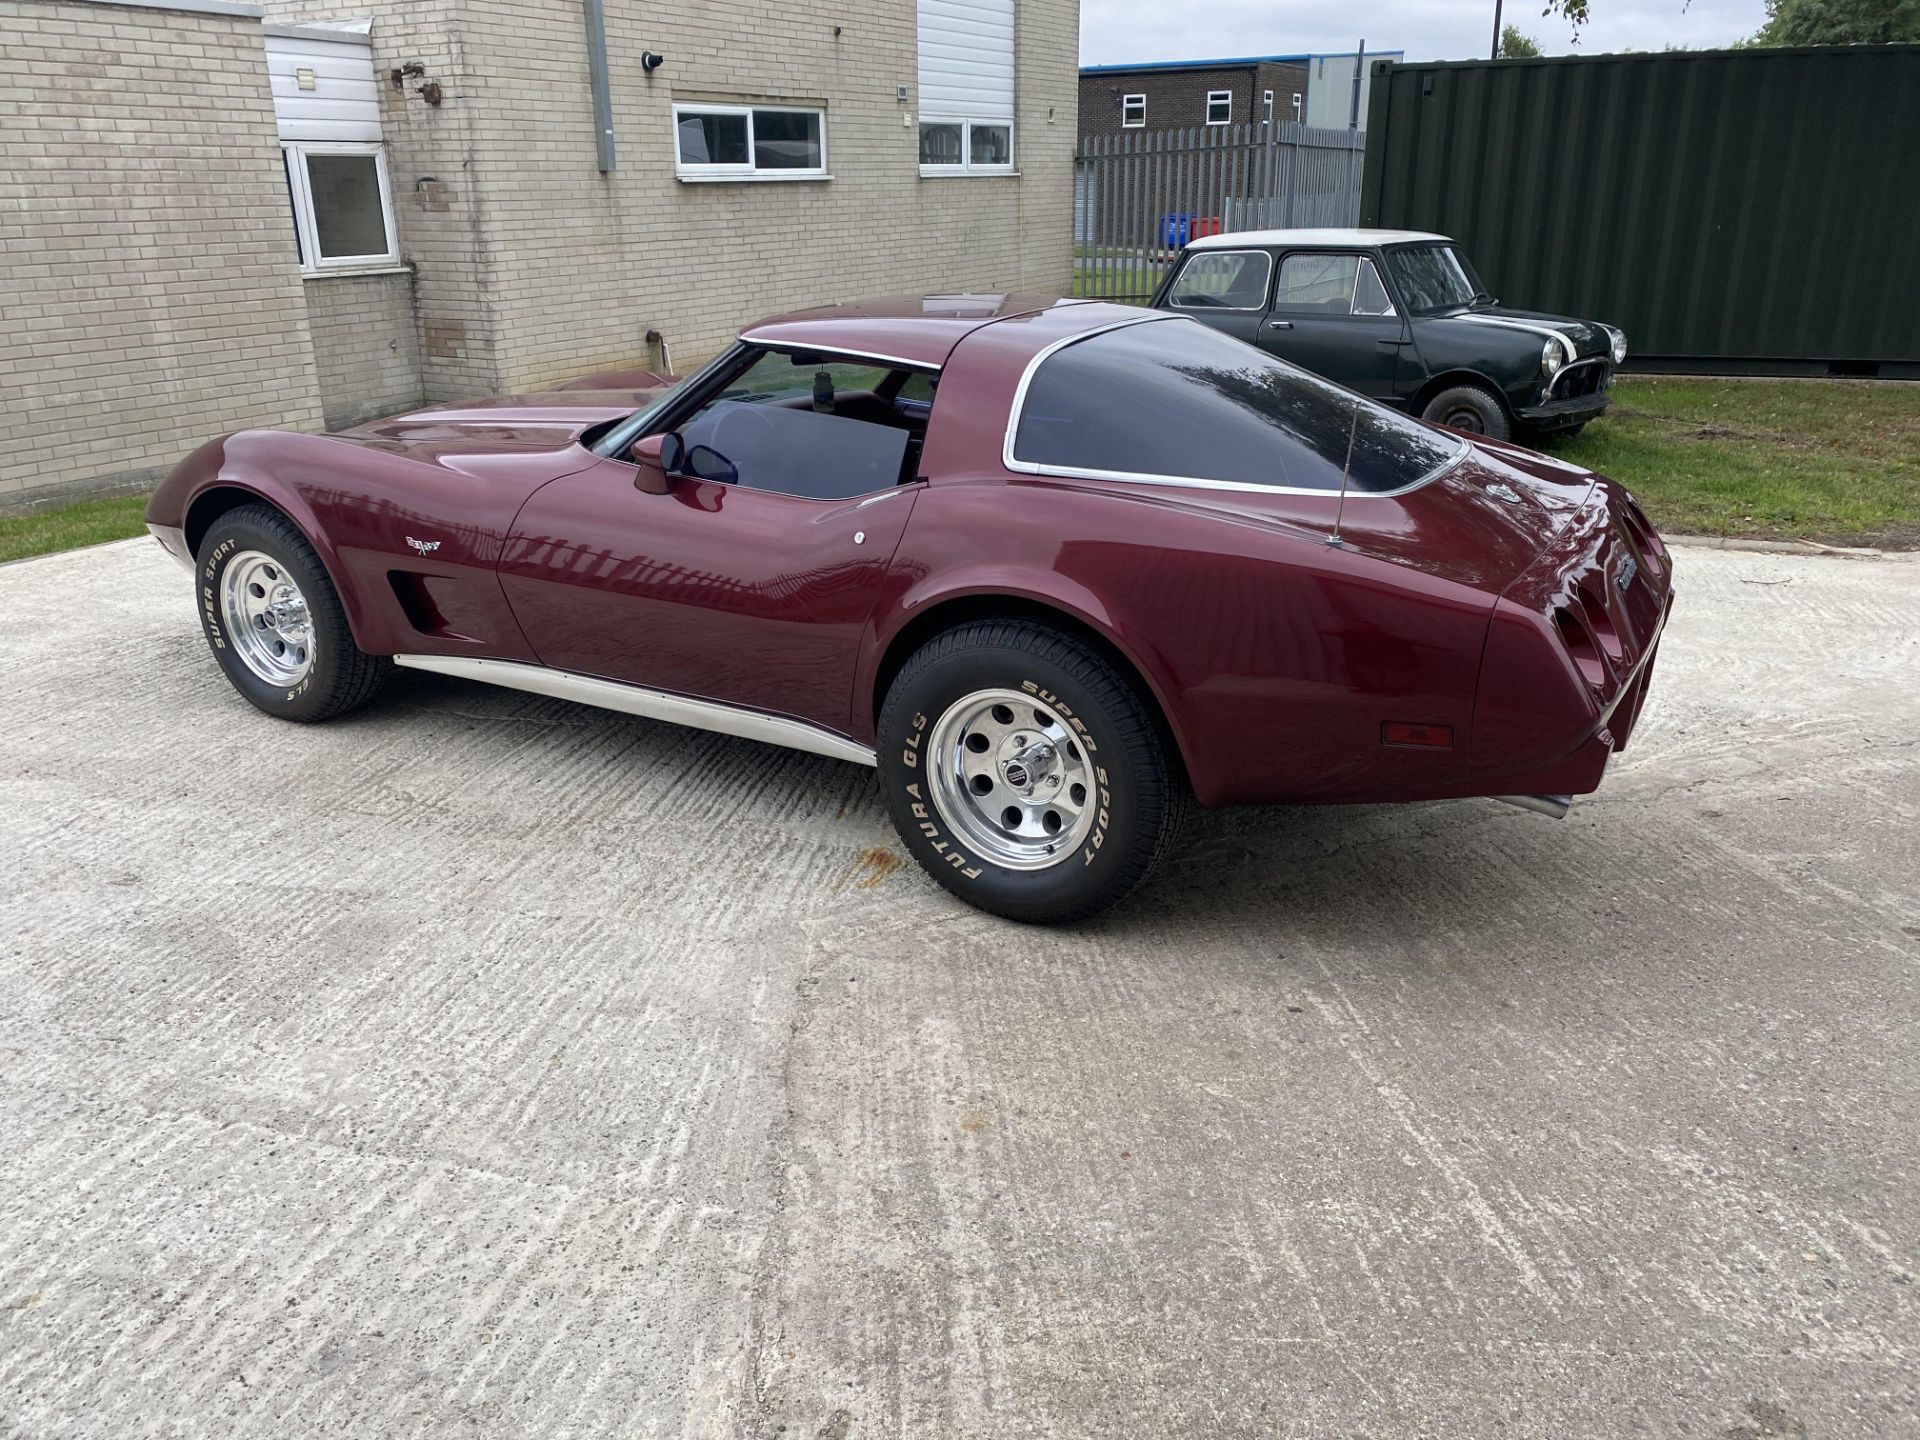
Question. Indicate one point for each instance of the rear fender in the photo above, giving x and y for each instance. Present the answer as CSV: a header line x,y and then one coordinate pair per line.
x,y
969,592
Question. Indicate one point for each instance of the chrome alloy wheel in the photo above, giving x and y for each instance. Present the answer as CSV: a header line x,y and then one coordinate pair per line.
x,y
1008,776
266,617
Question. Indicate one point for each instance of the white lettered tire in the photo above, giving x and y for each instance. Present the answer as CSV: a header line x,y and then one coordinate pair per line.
x,y
1026,772
274,620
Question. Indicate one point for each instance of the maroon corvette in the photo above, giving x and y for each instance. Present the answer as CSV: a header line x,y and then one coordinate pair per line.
x,y
1055,567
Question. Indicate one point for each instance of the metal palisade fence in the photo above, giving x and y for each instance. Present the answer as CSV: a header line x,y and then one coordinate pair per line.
x,y
1138,198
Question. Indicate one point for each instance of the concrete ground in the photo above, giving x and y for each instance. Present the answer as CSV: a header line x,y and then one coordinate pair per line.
x,y
482,1065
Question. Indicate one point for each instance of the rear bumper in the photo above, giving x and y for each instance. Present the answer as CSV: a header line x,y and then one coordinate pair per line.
x,y
1570,654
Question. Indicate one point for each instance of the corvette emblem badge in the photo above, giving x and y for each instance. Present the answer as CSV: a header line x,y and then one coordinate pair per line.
x,y
425,547
1504,492
1623,577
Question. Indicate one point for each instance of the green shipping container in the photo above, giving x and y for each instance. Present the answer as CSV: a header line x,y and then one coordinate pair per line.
x,y
1741,211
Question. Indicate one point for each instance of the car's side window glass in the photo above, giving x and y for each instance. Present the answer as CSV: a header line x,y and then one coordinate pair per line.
x,y
1222,280
1173,399
808,453
1315,285
1369,294
814,427
781,378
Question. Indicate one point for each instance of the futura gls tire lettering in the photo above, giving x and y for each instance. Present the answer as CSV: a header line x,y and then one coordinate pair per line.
x,y
996,699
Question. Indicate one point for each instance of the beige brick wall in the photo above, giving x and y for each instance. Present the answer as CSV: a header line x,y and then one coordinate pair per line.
x,y
533,266
436,172
150,293
585,264
366,346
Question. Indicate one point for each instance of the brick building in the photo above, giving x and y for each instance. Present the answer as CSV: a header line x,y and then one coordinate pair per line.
x,y
1117,100
1182,95
302,217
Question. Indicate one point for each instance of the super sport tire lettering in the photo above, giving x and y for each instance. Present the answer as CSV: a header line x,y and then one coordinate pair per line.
x,y
343,677
1140,794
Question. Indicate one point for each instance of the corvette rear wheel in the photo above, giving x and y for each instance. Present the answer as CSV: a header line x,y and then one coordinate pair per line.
x,y
1469,408
1025,773
275,623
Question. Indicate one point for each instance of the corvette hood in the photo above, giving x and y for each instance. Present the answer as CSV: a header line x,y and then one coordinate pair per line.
x,y
467,434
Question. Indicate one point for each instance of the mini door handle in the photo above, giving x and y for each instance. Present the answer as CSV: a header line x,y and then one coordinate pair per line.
x,y
1279,324
1393,342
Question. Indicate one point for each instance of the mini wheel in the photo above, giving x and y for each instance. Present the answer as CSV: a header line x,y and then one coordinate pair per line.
x,y
1026,773
1471,408
274,620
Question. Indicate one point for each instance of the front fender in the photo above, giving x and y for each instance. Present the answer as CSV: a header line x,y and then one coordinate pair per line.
x,y
235,470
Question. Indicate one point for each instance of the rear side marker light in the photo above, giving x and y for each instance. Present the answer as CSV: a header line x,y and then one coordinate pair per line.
x,y
1423,737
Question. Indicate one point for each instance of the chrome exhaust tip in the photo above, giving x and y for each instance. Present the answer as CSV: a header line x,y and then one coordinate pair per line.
x,y
1553,805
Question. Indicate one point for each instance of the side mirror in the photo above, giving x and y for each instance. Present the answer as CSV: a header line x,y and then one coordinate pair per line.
x,y
703,462
658,457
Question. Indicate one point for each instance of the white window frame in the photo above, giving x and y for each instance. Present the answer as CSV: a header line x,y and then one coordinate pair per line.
x,y
1297,98
1266,107
966,165
696,173
1220,97
307,232
1127,102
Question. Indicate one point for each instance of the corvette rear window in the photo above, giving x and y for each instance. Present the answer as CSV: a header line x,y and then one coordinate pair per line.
x,y
1173,399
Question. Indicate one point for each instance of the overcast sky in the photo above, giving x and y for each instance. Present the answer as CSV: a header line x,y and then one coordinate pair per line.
x,y
1116,32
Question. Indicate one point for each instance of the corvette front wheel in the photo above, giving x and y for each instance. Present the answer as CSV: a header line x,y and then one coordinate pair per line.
x,y
274,621
1025,773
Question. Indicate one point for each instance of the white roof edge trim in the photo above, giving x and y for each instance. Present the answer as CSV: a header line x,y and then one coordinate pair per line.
x,y
1240,239
190,7
345,32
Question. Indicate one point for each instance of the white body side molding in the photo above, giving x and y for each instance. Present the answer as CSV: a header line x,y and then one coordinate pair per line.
x,y
653,704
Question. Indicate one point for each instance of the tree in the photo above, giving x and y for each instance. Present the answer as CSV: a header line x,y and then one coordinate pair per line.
x,y
1840,22
1517,46
1574,12
1806,22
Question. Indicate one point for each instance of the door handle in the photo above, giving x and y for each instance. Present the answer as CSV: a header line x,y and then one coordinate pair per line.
x,y
1279,324
1393,343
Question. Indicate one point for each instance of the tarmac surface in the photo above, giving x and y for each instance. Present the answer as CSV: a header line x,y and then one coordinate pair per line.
x,y
485,1065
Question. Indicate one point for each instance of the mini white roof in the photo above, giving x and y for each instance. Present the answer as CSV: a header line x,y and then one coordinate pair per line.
x,y
1239,240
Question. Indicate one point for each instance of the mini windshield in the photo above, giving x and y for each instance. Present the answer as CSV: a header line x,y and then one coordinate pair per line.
x,y
1434,277
1175,400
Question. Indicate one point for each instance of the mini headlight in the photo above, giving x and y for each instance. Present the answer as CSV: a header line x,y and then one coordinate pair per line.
x,y
1619,345
1550,361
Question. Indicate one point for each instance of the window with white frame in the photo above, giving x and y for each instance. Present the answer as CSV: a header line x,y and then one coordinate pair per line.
x,y
1296,109
342,208
327,109
749,142
1133,112
1219,107
1266,107
966,87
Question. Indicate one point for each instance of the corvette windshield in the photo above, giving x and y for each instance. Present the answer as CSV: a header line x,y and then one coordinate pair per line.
x,y
1433,277
616,440
1172,399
